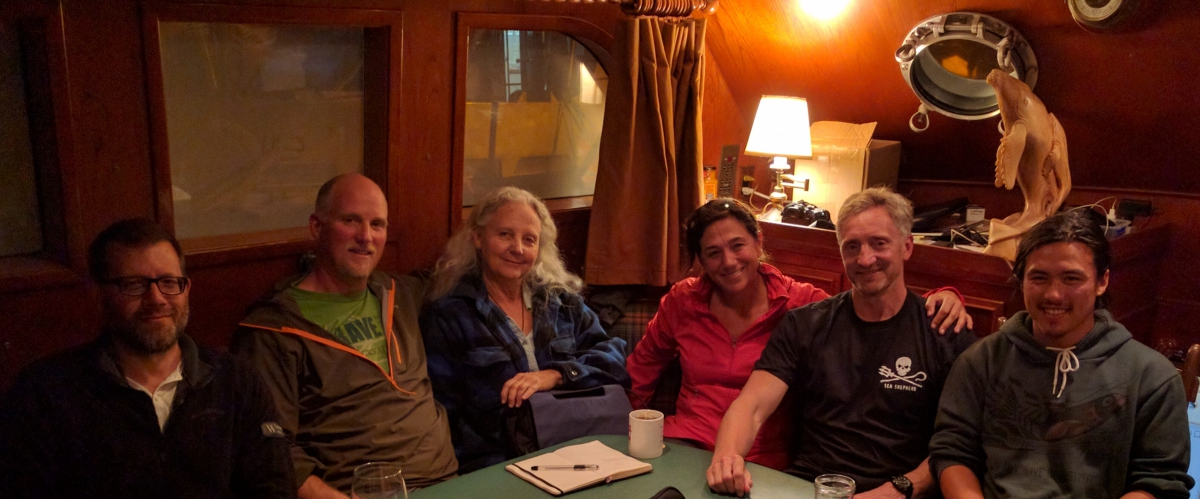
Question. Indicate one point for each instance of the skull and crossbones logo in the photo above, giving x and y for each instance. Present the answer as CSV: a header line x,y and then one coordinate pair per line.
x,y
903,367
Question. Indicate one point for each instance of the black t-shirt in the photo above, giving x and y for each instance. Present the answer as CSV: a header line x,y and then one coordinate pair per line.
x,y
865,393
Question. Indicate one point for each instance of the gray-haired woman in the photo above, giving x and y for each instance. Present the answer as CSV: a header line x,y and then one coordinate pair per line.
x,y
505,320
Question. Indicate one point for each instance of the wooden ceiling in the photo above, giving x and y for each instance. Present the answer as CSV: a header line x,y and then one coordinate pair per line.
x,y
1126,99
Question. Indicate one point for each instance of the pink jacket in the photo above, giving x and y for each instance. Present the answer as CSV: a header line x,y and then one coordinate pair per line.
x,y
714,368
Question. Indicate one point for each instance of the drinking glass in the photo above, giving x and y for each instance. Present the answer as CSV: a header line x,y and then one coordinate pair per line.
x,y
831,486
378,481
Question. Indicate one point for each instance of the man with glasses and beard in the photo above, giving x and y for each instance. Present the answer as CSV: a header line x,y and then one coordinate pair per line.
x,y
141,411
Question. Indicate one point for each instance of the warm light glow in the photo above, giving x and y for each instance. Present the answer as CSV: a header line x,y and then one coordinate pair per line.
x,y
589,93
780,128
824,9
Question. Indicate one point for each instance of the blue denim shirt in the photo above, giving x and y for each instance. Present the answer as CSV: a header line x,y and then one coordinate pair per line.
x,y
473,350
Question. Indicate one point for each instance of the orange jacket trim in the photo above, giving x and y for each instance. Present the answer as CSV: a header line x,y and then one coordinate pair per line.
x,y
339,346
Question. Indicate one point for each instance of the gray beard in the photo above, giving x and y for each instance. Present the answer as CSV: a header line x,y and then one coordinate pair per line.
x,y
147,341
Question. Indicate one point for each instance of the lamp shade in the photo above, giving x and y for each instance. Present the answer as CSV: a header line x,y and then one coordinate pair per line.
x,y
780,128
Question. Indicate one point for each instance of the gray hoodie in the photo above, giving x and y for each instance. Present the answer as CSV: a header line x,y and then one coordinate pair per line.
x,y
1103,418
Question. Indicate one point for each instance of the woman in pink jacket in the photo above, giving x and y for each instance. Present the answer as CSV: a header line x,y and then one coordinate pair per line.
x,y
719,323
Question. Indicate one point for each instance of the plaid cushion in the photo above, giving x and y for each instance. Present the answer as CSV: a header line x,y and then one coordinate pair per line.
x,y
632,324
631,327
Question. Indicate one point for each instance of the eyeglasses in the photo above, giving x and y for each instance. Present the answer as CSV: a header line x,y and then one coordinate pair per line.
x,y
138,286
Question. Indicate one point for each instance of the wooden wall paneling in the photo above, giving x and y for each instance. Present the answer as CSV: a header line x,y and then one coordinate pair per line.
x,y
809,255
217,306
1115,125
723,123
381,74
103,158
984,280
1175,323
105,133
422,206
108,114
39,322
1136,262
1174,238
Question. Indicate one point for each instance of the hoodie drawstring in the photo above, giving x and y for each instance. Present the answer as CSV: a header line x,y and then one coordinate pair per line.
x,y
1065,363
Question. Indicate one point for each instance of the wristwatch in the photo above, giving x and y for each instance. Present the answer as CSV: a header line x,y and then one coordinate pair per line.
x,y
904,485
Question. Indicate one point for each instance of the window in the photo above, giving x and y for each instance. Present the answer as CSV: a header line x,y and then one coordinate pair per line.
x,y
533,108
258,116
34,249
254,107
20,217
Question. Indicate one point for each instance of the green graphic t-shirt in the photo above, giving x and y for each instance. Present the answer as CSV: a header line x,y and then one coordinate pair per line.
x,y
355,319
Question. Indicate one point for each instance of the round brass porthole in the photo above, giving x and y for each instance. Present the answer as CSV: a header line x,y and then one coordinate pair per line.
x,y
946,59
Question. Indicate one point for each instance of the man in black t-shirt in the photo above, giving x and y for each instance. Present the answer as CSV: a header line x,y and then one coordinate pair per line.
x,y
865,366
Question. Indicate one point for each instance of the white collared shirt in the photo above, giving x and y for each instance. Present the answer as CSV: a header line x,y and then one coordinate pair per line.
x,y
163,396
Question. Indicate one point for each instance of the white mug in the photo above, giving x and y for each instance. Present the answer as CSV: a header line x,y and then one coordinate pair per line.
x,y
645,434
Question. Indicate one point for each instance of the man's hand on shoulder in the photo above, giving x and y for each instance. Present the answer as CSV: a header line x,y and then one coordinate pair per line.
x,y
947,309
315,488
728,475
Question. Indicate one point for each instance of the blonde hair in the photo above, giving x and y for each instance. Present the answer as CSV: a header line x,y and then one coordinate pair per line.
x,y
898,208
462,258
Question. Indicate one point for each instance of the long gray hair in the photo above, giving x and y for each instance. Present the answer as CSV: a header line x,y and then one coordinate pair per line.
x,y
461,257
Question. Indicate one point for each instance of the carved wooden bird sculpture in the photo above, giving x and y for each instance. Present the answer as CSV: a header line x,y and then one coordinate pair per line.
x,y
1032,155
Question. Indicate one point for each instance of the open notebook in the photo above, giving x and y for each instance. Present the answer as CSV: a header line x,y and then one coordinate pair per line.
x,y
611,465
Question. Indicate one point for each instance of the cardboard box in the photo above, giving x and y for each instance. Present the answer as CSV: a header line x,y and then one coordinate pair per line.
x,y
845,160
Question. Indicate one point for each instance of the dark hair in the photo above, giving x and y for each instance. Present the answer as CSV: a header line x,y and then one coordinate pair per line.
x,y
713,212
130,233
1067,227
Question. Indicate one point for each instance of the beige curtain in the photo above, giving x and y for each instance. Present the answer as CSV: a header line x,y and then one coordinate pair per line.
x,y
649,177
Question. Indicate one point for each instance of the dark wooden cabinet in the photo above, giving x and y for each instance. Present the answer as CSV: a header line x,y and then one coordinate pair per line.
x,y
986,281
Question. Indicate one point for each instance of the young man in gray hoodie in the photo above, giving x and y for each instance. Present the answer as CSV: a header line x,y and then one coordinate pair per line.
x,y
1062,402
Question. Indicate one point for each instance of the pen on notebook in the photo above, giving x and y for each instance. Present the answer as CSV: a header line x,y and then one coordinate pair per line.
x,y
577,467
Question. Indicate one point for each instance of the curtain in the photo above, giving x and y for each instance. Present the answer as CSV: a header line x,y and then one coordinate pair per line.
x,y
649,176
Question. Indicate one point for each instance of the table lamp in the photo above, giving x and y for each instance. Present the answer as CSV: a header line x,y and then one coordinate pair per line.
x,y
780,131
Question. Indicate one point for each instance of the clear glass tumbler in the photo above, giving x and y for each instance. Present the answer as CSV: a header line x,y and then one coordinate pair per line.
x,y
830,486
379,481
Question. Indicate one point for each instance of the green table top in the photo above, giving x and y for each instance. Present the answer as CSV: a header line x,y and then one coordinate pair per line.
x,y
680,467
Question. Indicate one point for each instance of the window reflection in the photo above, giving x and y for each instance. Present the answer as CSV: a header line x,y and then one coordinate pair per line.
x,y
258,116
534,112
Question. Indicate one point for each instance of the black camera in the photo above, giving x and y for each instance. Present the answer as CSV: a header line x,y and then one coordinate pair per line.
x,y
807,214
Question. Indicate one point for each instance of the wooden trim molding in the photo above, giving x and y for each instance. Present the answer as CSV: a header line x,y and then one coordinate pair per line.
x,y
63,259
